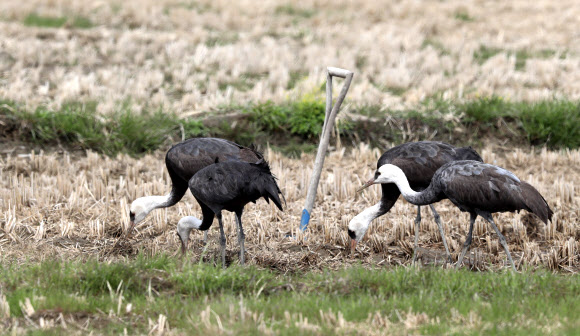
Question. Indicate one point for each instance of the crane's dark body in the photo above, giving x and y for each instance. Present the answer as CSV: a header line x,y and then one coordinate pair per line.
x,y
187,158
482,189
419,161
230,186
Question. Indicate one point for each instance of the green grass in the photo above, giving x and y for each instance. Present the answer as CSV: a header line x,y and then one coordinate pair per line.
x,y
523,55
82,22
463,15
395,90
294,126
437,45
295,77
244,82
294,11
36,20
554,123
191,5
221,39
484,53
246,298
78,125
44,21
302,118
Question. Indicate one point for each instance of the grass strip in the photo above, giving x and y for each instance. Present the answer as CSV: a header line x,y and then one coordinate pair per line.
x,y
78,125
294,126
36,20
247,300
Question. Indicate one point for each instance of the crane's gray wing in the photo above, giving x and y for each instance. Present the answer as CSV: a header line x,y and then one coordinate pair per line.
x,y
476,185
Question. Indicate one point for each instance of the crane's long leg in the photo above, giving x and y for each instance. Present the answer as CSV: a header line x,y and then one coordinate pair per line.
x,y
502,240
467,240
205,237
222,239
241,236
441,230
417,226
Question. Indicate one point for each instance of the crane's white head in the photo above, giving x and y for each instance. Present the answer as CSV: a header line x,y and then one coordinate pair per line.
x,y
141,207
387,173
184,227
358,226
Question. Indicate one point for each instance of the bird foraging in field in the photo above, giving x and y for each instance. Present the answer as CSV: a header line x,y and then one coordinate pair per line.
x,y
474,187
184,227
183,161
419,161
229,186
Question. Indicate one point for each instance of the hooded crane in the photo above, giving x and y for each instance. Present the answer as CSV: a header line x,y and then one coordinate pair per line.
x,y
229,186
183,161
474,187
419,160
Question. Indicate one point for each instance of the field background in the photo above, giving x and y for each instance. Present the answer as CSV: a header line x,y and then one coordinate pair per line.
x,y
193,57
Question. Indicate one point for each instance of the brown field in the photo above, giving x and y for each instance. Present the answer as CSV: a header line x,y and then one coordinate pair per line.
x,y
70,207
191,56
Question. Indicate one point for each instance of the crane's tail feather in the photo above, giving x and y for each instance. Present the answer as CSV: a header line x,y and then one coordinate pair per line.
x,y
536,202
271,192
258,153
269,188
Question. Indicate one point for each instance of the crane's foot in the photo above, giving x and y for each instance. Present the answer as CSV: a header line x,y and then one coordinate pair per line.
x,y
414,260
223,250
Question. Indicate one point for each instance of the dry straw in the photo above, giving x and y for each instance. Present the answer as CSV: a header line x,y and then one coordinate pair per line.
x,y
80,209
191,58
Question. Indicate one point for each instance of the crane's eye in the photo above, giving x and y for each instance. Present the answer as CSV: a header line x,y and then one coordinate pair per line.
x,y
351,234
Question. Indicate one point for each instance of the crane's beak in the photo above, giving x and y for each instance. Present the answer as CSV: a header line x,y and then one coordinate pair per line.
x,y
366,185
183,247
130,231
352,246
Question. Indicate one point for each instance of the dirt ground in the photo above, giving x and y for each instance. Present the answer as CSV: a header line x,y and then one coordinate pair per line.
x,y
59,205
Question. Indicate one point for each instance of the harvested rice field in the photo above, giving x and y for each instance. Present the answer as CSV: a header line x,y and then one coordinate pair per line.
x,y
65,268
67,206
191,56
